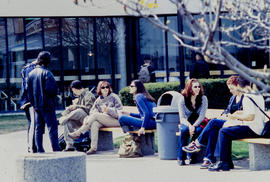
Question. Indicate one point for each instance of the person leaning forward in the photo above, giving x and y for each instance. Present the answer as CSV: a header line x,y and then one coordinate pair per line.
x,y
42,92
74,115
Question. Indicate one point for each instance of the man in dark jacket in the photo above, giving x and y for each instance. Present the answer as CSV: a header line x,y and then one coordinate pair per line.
x,y
25,105
42,92
200,68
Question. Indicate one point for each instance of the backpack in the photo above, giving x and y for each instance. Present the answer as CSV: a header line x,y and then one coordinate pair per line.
x,y
144,74
130,147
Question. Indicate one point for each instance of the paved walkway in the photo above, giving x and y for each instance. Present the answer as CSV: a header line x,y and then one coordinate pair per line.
x,y
107,167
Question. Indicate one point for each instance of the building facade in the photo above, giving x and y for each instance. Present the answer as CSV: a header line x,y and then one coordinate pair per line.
x,y
94,47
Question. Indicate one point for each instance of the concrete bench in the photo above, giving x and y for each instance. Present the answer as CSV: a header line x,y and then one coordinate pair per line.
x,y
105,141
259,153
51,167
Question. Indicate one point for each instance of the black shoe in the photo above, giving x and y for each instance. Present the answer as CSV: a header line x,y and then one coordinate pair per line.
x,y
181,162
220,166
231,165
69,149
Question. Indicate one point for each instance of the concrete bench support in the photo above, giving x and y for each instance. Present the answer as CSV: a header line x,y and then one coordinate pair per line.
x,y
105,141
259,156
52,167
148,144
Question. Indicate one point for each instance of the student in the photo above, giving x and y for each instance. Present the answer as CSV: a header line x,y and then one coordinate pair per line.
x,y
241,124
200,68
74,115
104,113
209,135
145,103
192,108
25,105
42,91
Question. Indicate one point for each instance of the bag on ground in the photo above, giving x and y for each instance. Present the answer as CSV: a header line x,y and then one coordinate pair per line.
x,y
130,147
266,130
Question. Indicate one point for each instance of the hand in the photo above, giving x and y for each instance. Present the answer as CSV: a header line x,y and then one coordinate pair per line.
x,y
104,108
125,113
25,105
230,123
191,130
141,131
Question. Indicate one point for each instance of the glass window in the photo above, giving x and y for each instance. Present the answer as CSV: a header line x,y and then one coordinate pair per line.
x,y
119,53
104,38
152,43
87,63
3,66
16,57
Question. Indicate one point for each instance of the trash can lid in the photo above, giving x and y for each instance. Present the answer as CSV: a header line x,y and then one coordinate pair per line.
x,y
165,109
170,98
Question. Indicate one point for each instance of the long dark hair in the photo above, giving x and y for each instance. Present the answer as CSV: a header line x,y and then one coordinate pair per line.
x,y
141,89
187,93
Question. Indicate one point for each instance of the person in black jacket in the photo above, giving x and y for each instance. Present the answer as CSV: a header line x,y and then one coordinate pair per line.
x,y
42,91
199,69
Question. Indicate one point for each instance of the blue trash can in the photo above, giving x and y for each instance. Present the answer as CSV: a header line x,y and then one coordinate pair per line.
x,y
167,119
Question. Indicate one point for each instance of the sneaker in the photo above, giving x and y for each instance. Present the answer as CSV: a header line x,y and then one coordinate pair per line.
x,y
220,166
191,148
181,162
91,151
206,164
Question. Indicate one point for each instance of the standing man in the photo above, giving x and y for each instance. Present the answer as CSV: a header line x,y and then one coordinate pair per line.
x,y
74,114
25,105
199,69
42,92
146,73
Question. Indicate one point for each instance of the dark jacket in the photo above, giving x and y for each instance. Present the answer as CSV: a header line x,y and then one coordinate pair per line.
x,y
199,69
25,73
42,89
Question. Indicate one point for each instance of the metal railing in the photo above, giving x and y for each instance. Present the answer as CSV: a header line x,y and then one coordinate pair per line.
x,y
5,99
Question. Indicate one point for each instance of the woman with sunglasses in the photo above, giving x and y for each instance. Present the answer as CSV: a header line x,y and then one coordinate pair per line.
x,y
192,108
145,103
104,113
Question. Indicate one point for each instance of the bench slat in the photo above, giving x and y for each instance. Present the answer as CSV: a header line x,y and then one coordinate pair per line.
x,y
265,141
118,129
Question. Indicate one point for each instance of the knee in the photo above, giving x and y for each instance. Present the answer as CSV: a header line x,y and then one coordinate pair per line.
x,y
122,120
184,130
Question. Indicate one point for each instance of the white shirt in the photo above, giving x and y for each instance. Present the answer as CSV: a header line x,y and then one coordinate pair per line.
x,y
257,124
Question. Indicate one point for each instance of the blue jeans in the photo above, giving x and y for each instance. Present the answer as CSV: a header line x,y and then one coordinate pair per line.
x,y
208,137
130,121
184,139
48,117
226,135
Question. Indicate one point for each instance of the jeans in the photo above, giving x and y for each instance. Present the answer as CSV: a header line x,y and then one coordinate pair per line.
x,y
226,135
48,117
135,122
184,139
208,137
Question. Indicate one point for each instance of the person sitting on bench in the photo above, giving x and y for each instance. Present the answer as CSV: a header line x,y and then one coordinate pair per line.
x,y
104,113
73,116
145,103
248,123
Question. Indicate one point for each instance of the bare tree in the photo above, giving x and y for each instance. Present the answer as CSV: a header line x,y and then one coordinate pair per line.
x,y
249,28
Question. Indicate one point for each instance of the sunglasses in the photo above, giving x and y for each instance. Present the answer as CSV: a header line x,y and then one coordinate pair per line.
x,y
132,86
107,87
197,87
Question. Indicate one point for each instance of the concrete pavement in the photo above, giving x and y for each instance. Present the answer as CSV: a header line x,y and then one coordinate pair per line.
x,y
107,167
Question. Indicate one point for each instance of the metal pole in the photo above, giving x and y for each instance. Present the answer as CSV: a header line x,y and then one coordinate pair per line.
x,y
42,34
112,55
95,51
25,41
78,49
62,89
181,53
7,66
166,53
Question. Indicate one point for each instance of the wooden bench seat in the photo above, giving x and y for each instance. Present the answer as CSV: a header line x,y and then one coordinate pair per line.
x,y
119,129
105,141
265,141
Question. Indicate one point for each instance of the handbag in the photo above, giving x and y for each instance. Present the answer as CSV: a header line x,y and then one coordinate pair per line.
x,y
204,122
130,147
266,130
